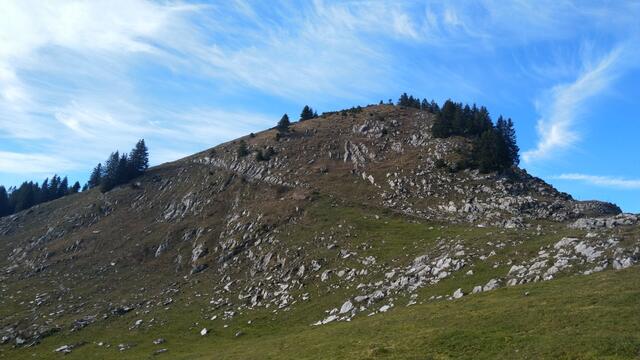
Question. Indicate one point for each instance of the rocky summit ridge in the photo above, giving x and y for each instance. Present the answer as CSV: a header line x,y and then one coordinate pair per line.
x,y
355,211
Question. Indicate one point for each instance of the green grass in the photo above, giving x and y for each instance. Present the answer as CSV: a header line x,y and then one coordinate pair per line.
x,y
575,317
581,317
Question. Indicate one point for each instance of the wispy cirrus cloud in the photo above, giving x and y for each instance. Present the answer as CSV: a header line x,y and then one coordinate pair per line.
x,y
564,104
604,181
81,78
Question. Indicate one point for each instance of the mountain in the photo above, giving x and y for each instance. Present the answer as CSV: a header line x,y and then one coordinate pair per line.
x,y
352,235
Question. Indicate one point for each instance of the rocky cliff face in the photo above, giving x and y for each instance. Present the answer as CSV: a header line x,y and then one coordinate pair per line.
x,y
264,234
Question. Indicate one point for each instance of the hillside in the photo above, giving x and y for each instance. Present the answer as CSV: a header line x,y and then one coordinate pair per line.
x,y
352,237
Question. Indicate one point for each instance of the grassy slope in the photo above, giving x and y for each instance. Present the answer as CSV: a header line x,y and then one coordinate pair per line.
x,y
583,317
576,317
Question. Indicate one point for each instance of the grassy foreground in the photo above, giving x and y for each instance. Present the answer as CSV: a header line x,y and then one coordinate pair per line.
x,y
579,317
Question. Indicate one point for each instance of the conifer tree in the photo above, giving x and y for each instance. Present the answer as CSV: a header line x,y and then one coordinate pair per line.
x,y
487,151
307,113
53,187
283,124
5,208
123,173
75,188
96,177
404,100
63,188
139,159
508,133
110,178
45,191
242,149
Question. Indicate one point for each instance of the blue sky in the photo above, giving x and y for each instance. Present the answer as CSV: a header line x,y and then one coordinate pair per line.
x,y
79,79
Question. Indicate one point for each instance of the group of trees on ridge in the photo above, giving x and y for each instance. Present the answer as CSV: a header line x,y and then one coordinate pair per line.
x,y
118,169
29,194
494,145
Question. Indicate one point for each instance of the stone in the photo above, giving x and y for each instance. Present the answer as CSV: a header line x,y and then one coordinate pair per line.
x,y
204,332
159,341
589,252
491,285
65,349
619,264
476,289
329,319
346,307
458,294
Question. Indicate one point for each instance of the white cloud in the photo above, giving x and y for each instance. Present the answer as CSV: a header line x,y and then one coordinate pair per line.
x,y
560,111
69,80
20,163
605,181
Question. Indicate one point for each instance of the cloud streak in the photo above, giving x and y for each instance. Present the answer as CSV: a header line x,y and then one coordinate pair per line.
x,y
604,181
565,103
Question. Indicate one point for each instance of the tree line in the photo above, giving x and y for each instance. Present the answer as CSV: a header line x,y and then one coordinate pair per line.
x,y
28,194
494,145
118,169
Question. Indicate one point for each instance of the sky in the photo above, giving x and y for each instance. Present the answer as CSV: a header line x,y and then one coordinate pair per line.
x,y
80,79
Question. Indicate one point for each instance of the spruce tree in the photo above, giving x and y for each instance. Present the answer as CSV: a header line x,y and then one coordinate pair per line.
x,y
283,124
508,133
63,188
45,191
123,174
110,177
139,159
24,196
5,208
486,151
75,188
307,113
242,149
96,177
53,187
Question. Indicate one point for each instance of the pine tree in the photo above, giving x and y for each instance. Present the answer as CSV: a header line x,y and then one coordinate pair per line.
x,y
434,107
283,124
508,133
53,187
75,188
242,149
45,191
96,177
5,208
25,196
486,151
63,188
425,105
404,100
110,177
123,173
139,159
307,113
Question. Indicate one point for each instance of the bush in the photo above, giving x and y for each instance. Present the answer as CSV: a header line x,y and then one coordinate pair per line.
x,y
242,149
